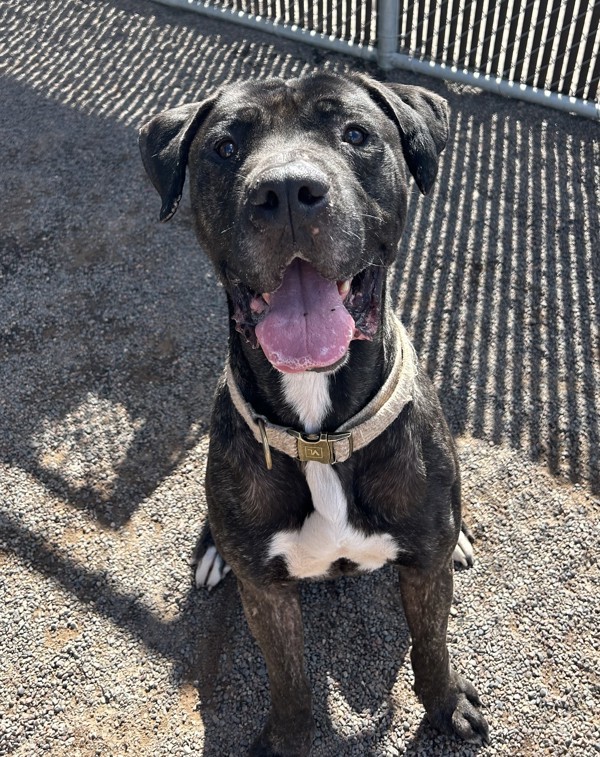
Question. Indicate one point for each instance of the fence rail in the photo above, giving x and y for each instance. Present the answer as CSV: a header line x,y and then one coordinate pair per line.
x,y
544,51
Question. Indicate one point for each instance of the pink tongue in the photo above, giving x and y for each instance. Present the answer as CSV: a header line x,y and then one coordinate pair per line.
x,y
307,325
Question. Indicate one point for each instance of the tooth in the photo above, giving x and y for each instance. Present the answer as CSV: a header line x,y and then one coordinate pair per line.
x,y
343,287
266,297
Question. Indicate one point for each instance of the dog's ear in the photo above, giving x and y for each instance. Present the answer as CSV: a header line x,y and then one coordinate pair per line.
x,y
165,143
421,117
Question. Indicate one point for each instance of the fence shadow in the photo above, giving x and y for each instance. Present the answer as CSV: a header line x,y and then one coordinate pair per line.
x,y
499,286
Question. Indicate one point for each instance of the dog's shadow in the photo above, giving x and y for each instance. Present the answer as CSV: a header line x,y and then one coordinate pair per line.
x,y
356,652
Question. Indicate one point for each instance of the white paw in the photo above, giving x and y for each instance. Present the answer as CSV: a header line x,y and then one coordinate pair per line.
x,y
463,552
211,569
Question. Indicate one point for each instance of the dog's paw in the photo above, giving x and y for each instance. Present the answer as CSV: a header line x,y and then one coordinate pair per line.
x,y
460,715
211,569
467,720
292,738
463,552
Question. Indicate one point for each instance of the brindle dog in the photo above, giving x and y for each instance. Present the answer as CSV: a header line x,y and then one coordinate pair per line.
x,y
299,196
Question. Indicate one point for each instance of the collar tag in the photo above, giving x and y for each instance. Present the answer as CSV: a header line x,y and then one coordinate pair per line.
x,y
319,448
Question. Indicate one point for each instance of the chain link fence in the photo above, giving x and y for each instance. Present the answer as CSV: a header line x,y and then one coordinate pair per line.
x,y
545,51
551,46
348,20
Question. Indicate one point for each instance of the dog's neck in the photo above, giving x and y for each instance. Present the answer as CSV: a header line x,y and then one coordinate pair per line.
x,y
314,401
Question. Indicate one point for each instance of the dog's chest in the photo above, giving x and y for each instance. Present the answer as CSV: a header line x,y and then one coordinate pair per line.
x,y
326,535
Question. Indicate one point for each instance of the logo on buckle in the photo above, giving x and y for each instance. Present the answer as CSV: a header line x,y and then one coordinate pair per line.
x,y
318,447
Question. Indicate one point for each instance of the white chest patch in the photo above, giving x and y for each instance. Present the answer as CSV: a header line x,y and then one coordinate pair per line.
x,y
325,535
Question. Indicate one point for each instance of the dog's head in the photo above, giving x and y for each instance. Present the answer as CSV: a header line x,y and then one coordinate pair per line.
x,y
298,192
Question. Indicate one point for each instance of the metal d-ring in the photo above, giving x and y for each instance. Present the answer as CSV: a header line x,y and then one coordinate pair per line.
x,y
265,443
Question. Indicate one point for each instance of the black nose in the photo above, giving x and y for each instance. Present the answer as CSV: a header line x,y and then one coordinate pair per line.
x,y
294,192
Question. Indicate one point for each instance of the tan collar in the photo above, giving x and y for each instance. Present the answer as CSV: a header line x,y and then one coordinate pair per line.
x,y
356,433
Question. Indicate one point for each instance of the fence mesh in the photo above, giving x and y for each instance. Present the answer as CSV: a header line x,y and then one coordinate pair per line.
x,y
548,44
552,45
353,21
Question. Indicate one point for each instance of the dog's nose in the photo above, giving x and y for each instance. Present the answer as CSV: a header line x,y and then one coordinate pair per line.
x,y
293,192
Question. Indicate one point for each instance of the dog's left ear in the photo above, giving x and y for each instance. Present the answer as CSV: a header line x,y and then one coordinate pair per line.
x,y
421,117
165,144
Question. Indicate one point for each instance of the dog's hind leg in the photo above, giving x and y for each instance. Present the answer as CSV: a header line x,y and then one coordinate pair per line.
x,y
463,552
210,568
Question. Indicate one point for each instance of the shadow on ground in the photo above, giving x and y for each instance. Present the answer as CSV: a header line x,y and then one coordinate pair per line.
x,y
499,287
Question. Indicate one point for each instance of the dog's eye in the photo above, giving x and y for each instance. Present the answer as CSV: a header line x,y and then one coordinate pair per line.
x,y
226,148
354,135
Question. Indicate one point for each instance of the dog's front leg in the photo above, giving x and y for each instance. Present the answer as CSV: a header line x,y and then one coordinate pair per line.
x,y
451,702
275,619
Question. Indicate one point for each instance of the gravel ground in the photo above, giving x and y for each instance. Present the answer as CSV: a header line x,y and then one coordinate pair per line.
x,y
112,333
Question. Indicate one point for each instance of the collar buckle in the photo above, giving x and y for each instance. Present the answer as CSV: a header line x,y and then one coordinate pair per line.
x,y
319,448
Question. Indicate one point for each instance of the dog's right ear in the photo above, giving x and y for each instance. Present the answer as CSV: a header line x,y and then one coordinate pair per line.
x,y
165,144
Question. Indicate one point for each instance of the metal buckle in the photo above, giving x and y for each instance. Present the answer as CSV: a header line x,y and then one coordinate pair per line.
x,y
318,447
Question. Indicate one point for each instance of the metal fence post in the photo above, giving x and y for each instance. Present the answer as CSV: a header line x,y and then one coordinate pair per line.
x,y
388,13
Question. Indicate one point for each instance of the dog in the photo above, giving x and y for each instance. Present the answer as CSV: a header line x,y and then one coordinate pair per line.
x,y
329,452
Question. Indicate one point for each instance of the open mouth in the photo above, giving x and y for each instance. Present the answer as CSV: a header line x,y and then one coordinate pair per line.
x,y
309,321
